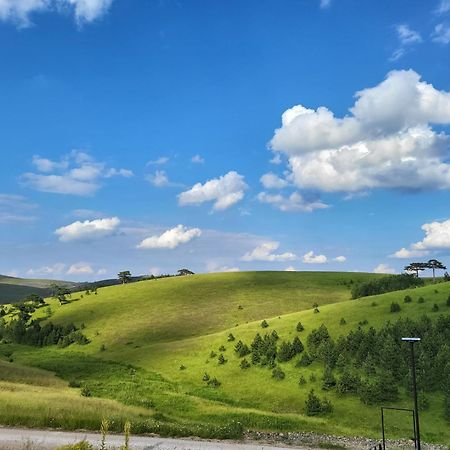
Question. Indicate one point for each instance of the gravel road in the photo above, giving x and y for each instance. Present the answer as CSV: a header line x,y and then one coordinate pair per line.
x,y
25,439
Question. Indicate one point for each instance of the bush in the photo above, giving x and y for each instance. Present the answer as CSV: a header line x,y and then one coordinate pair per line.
x,y
221,360
214,383
74,384
300,326
305,360
301,380
206,377
395,307
361,323
285,352
213,354
315,406
348,383
264,324
407,299
342,321
297,346
435,307
242,349
231,338
86,392
316,310
244,364
386,284
329,382
278,374
222,348
182,367
374,304
421,300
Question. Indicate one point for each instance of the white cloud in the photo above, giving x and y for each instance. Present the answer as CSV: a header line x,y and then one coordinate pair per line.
x,y
444,7
197,159
340,259
159,162
15,208
55,269
405,253
408,36
397,54
77,174
89,229
273,181
294,203
384,268
80,269
311,258
386,142
224,191
441,33
276,159
171,238
264,252
325,4
290,269
20,11
158,179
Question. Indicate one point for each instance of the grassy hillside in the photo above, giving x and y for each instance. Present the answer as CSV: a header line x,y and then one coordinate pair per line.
x,y
14,289
142,333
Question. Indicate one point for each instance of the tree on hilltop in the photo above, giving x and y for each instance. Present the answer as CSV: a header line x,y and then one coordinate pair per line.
x,y
182,272
124,276
435,264
416,267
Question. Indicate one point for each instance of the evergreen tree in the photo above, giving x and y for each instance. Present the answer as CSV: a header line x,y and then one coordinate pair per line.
x,y
328,380
313,405
285,352
297,346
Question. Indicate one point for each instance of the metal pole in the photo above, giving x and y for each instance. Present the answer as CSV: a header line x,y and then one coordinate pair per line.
x,y
416,407
382,428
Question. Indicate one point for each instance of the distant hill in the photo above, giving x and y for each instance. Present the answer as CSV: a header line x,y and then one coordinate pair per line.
x,y
14,289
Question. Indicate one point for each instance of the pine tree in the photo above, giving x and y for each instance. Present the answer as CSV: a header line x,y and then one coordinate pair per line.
x,y
328,380
297,346
313,406
285,352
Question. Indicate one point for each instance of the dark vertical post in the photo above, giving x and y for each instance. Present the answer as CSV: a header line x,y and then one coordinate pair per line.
x,y
416,407
382,428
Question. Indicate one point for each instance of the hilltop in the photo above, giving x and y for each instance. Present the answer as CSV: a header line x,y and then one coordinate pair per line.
x,y
151,344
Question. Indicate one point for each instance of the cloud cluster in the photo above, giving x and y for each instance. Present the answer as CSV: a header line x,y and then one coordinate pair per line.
x,y
265,252
76,174
386,142
171,238
20,11
383,268
224,191
88,229
437,237
292,203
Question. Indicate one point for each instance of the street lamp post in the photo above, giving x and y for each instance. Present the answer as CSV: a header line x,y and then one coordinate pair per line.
x,y
412,341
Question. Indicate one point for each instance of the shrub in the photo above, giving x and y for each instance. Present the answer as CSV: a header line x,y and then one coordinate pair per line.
x,y
421,300
231,338
348,383
297,346
315,406
221,360
316,310
241,349
300,326
285,352
328,380
374,304
214,383
244,364
278,374
275,335
301,380
361,323
305,360
213,354
182,367
206,377
222,348
86,392
74,384
435,307
395,307
264,324
342,321
407,299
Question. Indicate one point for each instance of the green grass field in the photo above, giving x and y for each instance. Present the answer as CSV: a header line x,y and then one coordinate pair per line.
x,y
143,332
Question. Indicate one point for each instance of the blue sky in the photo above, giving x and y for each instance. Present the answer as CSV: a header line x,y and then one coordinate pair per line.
x,y
148,135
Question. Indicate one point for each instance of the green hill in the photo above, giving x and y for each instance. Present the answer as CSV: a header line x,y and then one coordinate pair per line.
x,y
151,343
13,289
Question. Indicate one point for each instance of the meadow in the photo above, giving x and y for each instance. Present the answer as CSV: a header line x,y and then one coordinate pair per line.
x,y
151,344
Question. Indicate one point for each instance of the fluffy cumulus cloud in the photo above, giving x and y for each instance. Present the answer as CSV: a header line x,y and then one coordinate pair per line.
x,y
80,269
88,229
21,11
383,268
265,252
171,238
340,259
292,203
437,237
224,191
311,258
76,173
387,140
273,181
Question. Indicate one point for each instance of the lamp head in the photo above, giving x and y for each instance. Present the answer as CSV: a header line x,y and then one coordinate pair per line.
x,y
411,339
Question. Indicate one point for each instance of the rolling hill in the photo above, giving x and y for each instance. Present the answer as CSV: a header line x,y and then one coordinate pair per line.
x,y
152,342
